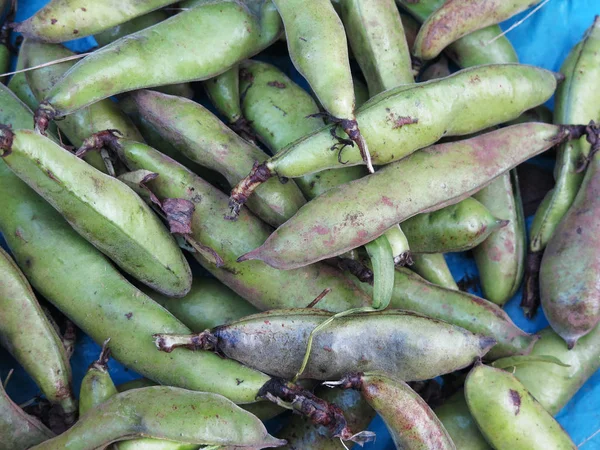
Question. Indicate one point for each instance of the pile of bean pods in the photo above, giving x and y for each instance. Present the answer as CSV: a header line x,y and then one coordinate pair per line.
x,y
249,247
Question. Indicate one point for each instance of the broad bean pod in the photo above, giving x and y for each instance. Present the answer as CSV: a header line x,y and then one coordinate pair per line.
x,y
433,268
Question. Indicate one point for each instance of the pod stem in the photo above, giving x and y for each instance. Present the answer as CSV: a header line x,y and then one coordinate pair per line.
x,y
353,380
317,410
198,341
530,301
350,126
101,363
44,114
242,191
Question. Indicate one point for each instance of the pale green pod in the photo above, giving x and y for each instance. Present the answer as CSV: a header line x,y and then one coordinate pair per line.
x,y
204,139
279,111
434,268
508,415
97,386
458,18
165,413
428,180
18,429
229,32
377,39
28,335
102,209
455,228
399,243
501,258
18,84
576,102
224,93
64,20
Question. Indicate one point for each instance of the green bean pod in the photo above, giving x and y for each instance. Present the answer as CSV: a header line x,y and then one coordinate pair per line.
x,y
484,46
377,39
96,206
501,258
64,20
410,421
19,86
353,214
97,386
77,127
458,18
261,285
207,305
229,32
455,228
402,120
508,415
393,342
576,102
28,335
569,288
301,434
204,139
18,429
165,413
278,111
458,308
433,268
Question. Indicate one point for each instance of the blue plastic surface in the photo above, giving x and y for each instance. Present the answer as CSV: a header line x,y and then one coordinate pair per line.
x,y
543,40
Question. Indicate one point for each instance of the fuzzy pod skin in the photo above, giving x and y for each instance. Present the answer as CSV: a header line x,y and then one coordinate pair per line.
x,y
577,100
203,138
569,287
208,304
353,214
278,110
458,18
318,48
508,415
468,101
393,342
165,413
77,127
501,257
256,282
377,39
410,421
65,20
455,228
412,293
475,48
18,429
302,435
433,268
227,29
96,206
59,264
28,335
459,423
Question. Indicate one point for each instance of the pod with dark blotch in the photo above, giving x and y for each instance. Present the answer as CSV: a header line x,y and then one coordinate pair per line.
x,y
468,311
229,32
97,386
279,112
410,421
455,228
165,413
508,415
302,435
433,268
27,334
484,46
208,304
377,39
204,139
77,127
577,100
258,283
569,288
501,257
355,213
18,429
399,343
458,18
